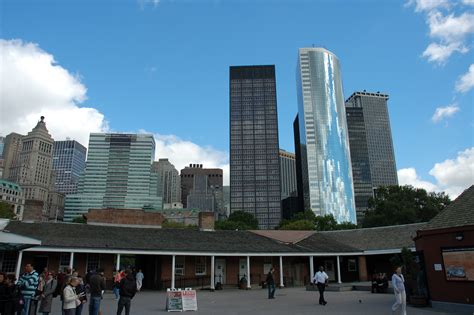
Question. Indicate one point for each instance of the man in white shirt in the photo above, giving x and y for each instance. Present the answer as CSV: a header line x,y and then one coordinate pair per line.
x,y
321,280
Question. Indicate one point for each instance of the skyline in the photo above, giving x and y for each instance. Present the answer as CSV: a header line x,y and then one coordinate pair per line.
x,y
96,70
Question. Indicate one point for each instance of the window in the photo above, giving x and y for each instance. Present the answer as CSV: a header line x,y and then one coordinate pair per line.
x,y
93,262
179,266
200,266
8,261
351,264
64,259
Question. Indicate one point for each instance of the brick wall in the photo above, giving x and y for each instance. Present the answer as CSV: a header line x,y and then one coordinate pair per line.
x,y
206,221
124,216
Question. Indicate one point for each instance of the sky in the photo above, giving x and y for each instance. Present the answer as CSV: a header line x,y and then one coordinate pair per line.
x,y
162,67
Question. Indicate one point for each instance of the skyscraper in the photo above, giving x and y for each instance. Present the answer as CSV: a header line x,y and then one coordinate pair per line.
x,y
169,181
324,144
69,161
117,175
254,149
288,174
11,155
383,168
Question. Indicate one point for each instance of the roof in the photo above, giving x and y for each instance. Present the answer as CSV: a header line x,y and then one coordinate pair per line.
x,y
285,236
11,241
377,238
73,235
459,213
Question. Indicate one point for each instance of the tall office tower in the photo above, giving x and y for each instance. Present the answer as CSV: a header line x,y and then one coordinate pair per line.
x,y
11,155
360,160
288,174
383,169
324,143
117,175
169,181
254,149
215,181
2,144
202,197
69,161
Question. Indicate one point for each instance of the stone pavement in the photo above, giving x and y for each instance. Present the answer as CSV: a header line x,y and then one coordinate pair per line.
x,y
292,301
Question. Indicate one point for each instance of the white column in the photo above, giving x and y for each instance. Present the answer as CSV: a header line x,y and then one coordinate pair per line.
x,y
117,267
18,264
311,269
248,273
213,285
338,271
173,261
281,272
71,261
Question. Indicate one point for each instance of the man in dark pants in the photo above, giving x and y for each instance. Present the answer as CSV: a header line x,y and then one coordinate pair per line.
x,y
97,285
128,288
271,283
321,280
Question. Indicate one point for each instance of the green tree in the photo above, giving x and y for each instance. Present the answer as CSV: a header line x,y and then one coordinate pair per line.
x,y
394,205
325,223
345,226
176,225
304,225
6,211
238,220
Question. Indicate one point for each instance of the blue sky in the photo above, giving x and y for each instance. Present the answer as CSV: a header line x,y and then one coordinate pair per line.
x,y
163,67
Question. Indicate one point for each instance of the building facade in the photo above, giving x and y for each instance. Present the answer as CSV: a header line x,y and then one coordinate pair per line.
x,y
214,181
69,161
323,139
11,155
254,148
381,154
363,189
12,194
117,175
288,174
169,181
202,196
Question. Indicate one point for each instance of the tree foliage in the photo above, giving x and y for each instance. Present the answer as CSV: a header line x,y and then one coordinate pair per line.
x,y
238,220
307,220
394,205
176,225
6,211
80,219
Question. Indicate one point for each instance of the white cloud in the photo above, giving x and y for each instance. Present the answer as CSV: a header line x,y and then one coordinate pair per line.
x,y
444,112
144,3
440,53
428,5
468,2
182,153
466,81
450,28
33,84
452,176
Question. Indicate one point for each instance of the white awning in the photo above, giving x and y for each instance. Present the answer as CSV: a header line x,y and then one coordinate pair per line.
x,y
12,241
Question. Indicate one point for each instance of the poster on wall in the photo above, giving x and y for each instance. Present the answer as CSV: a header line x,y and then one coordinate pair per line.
x,y
459,264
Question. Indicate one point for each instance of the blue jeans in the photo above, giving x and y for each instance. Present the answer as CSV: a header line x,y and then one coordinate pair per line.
x,y
271,291
79,309
26,305
116,292
94,305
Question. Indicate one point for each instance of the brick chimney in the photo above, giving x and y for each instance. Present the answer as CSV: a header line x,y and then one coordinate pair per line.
x,y
206,221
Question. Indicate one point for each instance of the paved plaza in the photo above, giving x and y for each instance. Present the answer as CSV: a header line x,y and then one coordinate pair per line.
x,y
287,301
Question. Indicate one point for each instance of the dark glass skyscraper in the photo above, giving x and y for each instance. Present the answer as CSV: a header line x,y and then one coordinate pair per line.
x,y
383,168
69,161
254,148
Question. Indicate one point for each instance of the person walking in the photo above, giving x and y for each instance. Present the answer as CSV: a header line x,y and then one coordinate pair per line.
x,y
398,283
28,284
271,283
47,295
117,278
321,281
139,276
128,289
97,285
70,297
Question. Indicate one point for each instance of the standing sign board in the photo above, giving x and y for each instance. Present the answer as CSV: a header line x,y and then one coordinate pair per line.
x,y
181,300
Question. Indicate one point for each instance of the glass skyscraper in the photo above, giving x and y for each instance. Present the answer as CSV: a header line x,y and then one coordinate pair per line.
x,y
118,175
69,161
324,145
254,151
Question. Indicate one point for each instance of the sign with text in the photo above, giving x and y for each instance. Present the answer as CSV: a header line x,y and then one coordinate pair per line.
x,y
181,300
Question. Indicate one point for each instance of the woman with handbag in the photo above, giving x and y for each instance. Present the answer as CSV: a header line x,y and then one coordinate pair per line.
x,y
70,298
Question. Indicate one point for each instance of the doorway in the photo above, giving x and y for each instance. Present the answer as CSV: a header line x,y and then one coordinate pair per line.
x,y
39,263
329,268
220,271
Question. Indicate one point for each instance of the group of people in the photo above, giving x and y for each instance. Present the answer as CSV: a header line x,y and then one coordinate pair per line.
x,y
379,282
34,292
